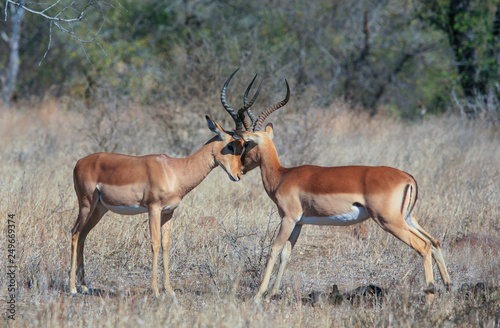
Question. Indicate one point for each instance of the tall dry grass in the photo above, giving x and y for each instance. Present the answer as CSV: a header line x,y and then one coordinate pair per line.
x,y
217,263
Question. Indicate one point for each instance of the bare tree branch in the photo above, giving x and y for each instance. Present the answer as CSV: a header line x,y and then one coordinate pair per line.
x,y
43,14
66,15
57,19
48,45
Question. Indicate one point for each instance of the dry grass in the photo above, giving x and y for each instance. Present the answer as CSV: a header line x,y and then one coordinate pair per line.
x,y
216,263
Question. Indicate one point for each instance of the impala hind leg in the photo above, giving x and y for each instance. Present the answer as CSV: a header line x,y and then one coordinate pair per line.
x,y
420,243
438,257
287,225
436,253
96,216
166,223
154,230
424,247
74,243
285,257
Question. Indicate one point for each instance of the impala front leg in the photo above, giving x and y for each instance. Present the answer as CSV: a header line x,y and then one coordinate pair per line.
x,y
154,229
285,257
165,240
287,225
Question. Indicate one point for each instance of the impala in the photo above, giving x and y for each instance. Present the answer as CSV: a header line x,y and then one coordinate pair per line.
x,y
336,196
153,184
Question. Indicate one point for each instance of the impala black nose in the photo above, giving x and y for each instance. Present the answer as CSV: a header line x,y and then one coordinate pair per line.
x,y
233,178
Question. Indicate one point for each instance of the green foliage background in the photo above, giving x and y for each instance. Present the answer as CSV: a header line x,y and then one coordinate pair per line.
x,y
174,52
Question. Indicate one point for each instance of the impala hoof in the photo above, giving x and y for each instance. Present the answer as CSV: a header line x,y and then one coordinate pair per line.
x,y
431,289
257,299
169,292
156,293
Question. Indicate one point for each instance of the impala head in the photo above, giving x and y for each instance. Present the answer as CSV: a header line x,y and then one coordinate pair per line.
x,y
255,143
254,138
227,150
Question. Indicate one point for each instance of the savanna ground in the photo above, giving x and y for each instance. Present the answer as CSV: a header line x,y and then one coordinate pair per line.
x,y
222,230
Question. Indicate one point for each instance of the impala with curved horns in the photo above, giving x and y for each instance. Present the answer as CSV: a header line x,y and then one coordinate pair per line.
x,y
336,196
153,184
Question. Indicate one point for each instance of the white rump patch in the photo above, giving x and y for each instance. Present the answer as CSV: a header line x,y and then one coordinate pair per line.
x,y
408,217
359,214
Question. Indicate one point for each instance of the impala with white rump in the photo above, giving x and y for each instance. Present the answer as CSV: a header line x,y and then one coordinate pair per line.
x,y
336,196
153,184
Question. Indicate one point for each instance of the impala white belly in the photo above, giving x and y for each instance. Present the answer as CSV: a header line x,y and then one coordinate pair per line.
x,y
358,214
126,210
134,209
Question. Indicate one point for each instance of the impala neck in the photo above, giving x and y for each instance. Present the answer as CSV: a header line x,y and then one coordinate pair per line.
x,y
270,168
194,168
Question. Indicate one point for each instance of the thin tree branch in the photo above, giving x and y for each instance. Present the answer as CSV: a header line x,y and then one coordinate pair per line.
x,y
58,21
52,6
52,18
48,46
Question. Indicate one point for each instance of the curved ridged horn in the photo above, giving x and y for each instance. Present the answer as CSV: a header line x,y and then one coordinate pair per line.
x,y
258,124
247,105
253,118
234,115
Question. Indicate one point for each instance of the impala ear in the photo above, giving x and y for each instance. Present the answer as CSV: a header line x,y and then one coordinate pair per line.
x,y
247,136
215,127
269,130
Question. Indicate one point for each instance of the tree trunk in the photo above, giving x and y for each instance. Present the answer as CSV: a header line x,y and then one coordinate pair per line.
x,y
490,72
463,48
16,17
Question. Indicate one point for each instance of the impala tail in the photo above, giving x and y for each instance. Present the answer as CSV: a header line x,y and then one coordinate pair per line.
x,y
409,200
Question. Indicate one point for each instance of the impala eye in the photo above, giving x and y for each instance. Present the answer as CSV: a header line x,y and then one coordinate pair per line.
x,y
230,148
